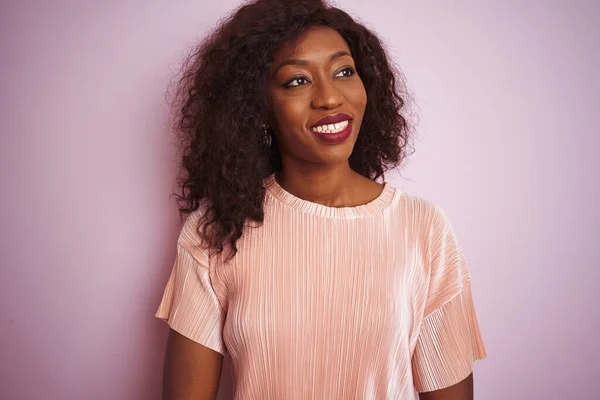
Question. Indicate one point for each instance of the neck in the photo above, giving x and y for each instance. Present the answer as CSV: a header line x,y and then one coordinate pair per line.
x,y
331,186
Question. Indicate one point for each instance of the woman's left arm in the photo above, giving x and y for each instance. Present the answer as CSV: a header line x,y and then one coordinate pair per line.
x,y
463,390
449,339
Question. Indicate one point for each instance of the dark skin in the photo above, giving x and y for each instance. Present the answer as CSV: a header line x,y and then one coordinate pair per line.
x,y
311,80
463,390
314,79
191,371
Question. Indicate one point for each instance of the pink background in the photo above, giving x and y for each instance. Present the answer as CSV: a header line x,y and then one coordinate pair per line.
x,y
508,98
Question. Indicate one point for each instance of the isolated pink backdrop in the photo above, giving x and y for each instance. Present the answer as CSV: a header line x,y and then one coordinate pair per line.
x,y
508,98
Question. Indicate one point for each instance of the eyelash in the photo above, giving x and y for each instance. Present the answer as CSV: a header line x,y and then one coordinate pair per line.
x,y
288,86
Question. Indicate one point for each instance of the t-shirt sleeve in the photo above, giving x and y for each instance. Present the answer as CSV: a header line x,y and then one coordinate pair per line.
x,y
189,303
449,339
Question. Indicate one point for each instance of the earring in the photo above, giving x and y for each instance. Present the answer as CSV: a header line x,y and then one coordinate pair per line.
x,y
267,139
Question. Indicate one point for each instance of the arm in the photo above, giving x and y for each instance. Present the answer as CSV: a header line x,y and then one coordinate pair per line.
x,y
191,370
463,390
449,340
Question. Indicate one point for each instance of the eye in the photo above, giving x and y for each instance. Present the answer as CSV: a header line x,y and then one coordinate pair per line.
x,y
299,80
346,72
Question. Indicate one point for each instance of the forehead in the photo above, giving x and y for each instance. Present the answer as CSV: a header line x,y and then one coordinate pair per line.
x,y
311,44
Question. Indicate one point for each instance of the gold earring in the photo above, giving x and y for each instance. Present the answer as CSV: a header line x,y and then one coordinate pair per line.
x,y
267,137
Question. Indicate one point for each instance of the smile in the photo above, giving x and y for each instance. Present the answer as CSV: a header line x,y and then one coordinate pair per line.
x,y
331,128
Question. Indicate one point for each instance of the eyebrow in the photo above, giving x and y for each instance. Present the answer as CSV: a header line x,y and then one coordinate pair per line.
x,y
305,62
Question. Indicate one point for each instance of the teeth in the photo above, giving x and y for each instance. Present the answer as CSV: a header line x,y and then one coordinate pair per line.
x,y
331,128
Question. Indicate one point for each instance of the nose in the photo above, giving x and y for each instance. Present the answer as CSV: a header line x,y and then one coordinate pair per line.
x,y
326,95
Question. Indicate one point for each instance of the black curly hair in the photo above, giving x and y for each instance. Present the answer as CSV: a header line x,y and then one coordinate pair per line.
x,y
220,102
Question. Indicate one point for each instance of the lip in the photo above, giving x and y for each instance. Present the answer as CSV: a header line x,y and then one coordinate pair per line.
x,y
332,119
335,138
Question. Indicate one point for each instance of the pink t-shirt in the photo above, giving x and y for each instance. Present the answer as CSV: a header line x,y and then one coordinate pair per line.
x,y
365,302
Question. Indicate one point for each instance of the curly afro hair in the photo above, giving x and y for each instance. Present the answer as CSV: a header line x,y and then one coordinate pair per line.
x,y
220,102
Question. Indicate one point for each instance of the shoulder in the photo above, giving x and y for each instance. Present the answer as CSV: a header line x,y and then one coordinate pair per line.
x,y
420,211
189,238
423,221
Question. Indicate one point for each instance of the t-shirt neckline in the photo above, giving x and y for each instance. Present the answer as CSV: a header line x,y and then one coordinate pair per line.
x,y
364,210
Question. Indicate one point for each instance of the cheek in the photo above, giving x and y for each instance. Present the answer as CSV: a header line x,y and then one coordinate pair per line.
x,y
360,95
289,114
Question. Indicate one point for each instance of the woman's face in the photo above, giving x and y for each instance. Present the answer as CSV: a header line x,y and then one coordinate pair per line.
x,y
310,81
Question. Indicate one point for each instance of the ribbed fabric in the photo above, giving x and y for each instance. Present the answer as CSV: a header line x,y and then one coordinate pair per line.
x,y
366,302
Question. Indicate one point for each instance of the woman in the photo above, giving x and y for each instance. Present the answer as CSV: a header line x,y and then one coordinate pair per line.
x,y
319,282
